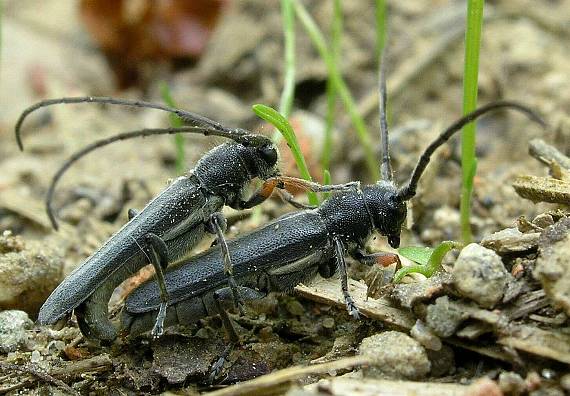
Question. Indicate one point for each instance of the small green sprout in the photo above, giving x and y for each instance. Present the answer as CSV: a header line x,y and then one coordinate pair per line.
x,y
428,259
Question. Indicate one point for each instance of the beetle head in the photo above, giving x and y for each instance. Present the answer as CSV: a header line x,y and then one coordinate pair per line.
x,y
387,211
263,155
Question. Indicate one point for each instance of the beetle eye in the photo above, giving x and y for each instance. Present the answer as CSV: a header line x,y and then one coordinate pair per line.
x,y
269,154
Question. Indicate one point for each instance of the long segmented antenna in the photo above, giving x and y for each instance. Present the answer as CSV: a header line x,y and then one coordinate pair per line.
x,y
409,190
124,136
186,116
385,166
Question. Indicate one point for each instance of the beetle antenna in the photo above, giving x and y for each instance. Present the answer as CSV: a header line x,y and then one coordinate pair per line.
x,y
119,137
186,116
409,190
385,166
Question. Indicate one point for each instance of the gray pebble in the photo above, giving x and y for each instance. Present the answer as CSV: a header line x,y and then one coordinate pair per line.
x,y
295,308
552,265
395,355
29,274
443,317
442,361
512,384
425,336
480,275
13,326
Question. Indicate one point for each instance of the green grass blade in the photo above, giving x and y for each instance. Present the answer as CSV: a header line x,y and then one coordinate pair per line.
x,y
288,94
280,122
380,27
175,122
429,259
348,101
336,39
470,85
327,179
466,192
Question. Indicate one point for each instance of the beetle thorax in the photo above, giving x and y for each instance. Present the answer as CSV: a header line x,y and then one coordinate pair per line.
x,y
345,215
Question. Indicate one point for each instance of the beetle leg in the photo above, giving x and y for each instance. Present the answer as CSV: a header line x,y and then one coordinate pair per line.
x,y
383,259
216,368
341,265
222,297
131,213
218,225
286,183
159,259
290,199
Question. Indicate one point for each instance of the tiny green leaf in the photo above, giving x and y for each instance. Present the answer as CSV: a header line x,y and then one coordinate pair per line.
x,y
278,121
417,254
428,259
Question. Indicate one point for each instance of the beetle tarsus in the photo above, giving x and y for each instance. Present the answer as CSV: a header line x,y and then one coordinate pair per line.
x,y
158,328
351,306
218,365
159,259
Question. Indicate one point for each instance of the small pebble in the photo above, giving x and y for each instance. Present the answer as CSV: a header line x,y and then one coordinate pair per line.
x,y
480,275
425,336
328,323
512,384
444,318
548,374
395,355
36,357
533,381
442,361
295,308
484,387
10,243
565,382
29,275
552,265
55,346
265,333
13,326
202,333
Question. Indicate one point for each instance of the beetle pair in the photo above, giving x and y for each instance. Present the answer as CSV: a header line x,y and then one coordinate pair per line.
x,y
276,257
171,224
